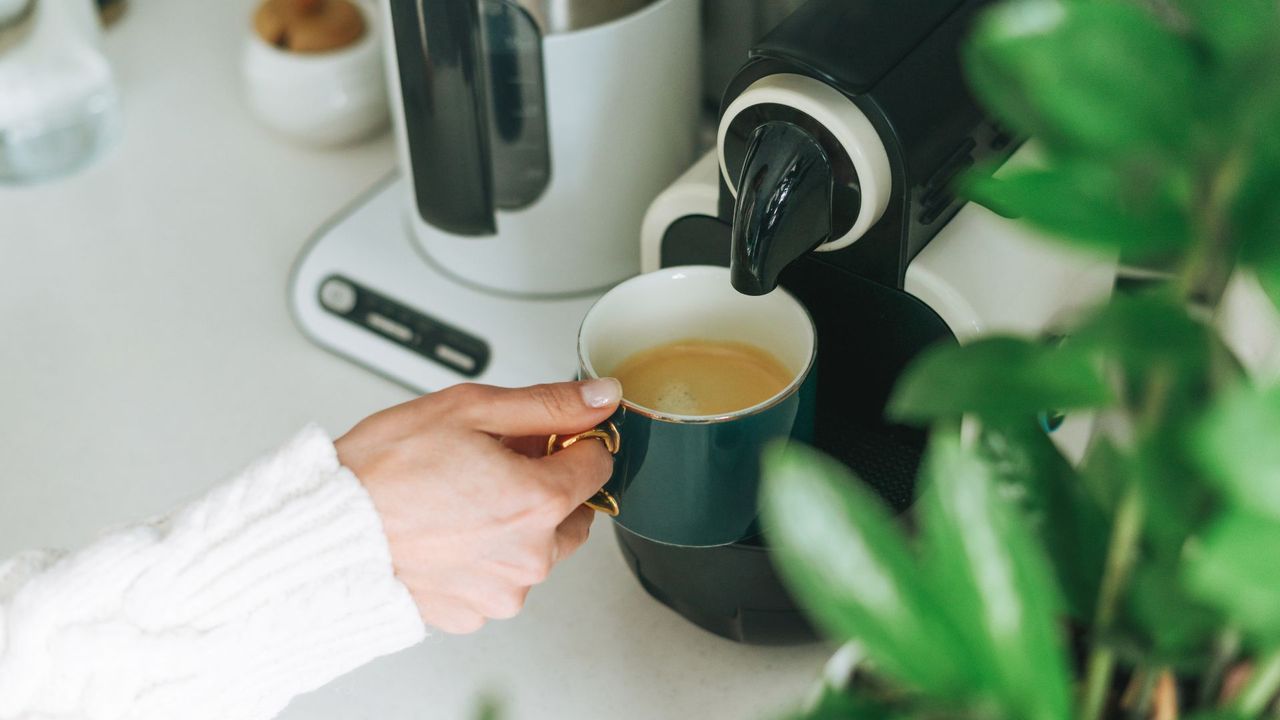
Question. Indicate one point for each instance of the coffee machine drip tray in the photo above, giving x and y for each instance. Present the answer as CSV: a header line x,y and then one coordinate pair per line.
x,y
363,290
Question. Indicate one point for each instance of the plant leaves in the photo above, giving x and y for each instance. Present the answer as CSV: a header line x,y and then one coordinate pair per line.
x,y
1084,76
1166,624
1256,214
1242,120
1233,31
999,378
1144,333
1090,205
1145,328
1235,566
1103,465
1260,229
1143,337
1238,445
847,562
1160,621
1178,500
1160,359
1070,523
999,592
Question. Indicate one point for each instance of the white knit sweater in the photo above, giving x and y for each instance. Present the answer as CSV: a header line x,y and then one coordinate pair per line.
x,y
270,585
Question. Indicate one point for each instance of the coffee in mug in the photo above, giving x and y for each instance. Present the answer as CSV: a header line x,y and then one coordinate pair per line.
x,y
701,377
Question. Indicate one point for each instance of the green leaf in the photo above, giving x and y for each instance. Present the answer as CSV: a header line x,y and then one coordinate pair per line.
x,y
1085,76
1070,523
1001,378
1235,566
1233,31
999,592
1090,205
1178,500
1144,328
1102,470
1166,625
1245,115
1238,445
1147,332
1256,217
847,562
1263,254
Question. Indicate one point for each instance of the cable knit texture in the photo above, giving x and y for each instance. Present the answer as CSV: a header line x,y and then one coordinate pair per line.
x,y
269,586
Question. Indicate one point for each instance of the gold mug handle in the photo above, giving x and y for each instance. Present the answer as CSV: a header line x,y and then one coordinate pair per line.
x,y
608,434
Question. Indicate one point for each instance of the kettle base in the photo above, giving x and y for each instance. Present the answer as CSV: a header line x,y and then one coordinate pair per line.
x,y
402,316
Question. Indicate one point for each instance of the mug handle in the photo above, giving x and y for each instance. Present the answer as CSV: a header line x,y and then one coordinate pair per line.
x,y
608,434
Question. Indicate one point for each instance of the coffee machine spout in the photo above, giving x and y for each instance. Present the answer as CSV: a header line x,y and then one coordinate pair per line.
x,y
783,207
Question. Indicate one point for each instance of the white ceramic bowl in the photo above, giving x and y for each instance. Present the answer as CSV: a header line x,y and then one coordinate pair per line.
x,y
324,99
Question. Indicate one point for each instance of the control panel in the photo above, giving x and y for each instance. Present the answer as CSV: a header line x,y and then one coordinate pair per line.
x,y
429,337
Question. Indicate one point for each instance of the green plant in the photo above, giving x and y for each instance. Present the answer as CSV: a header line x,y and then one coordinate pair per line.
x,y
1037,589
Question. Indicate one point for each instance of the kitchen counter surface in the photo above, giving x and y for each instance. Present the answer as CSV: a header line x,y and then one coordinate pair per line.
x,y
148,352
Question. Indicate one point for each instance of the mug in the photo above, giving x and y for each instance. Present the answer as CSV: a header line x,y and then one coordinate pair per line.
x,y
692,480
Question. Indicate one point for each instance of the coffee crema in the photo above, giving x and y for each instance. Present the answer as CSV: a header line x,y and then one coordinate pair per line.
x,y
701,377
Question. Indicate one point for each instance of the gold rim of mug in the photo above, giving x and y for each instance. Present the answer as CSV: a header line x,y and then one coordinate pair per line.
x,y
756,409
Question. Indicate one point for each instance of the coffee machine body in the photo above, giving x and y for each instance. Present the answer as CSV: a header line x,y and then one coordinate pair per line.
x,y
837,144
534,133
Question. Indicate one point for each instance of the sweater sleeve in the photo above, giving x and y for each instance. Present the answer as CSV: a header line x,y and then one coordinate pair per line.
x,y
269,586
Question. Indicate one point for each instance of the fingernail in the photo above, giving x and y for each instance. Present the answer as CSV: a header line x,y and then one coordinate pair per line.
x,y
601,392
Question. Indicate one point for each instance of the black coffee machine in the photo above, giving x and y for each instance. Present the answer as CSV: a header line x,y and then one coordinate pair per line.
x,y
837,143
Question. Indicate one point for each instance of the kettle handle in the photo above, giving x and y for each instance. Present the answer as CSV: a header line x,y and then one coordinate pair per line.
x,y
439,55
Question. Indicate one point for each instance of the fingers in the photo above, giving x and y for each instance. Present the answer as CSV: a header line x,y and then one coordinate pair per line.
x,y
574,474
538,409
496,600
531,446
472,601
573,532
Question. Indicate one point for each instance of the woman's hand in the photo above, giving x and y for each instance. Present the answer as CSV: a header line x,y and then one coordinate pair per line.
x,y
474,514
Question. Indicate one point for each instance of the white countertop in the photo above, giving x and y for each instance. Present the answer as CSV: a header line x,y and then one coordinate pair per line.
x,y
148,352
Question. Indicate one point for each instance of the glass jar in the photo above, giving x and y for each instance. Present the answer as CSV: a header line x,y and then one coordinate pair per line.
x,y
58,102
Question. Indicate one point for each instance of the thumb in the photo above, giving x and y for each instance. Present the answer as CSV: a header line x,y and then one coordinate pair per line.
x,y
545,409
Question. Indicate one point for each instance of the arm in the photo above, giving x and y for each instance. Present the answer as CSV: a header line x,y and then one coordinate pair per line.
x,y
296,571
270,585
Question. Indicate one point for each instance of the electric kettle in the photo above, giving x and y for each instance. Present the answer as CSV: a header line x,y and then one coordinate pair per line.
x,y
535,132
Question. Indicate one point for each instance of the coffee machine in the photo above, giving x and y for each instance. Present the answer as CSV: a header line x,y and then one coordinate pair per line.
x,y
837,144
531,135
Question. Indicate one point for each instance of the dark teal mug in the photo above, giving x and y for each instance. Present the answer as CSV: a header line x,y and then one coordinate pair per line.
x,y
686,479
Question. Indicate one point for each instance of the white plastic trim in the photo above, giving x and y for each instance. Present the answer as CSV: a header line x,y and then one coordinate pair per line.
x,y
986,274
845,121
1250,326
695,193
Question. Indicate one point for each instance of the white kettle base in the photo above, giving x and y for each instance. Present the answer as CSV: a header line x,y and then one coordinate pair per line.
x,y
362,290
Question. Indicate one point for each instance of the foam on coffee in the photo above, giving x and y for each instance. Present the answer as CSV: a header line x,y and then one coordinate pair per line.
x,y
701,377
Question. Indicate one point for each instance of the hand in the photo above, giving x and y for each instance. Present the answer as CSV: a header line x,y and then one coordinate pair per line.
x,y
473,512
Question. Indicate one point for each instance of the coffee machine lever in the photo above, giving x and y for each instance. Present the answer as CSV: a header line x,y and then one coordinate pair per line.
x,y
783,209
